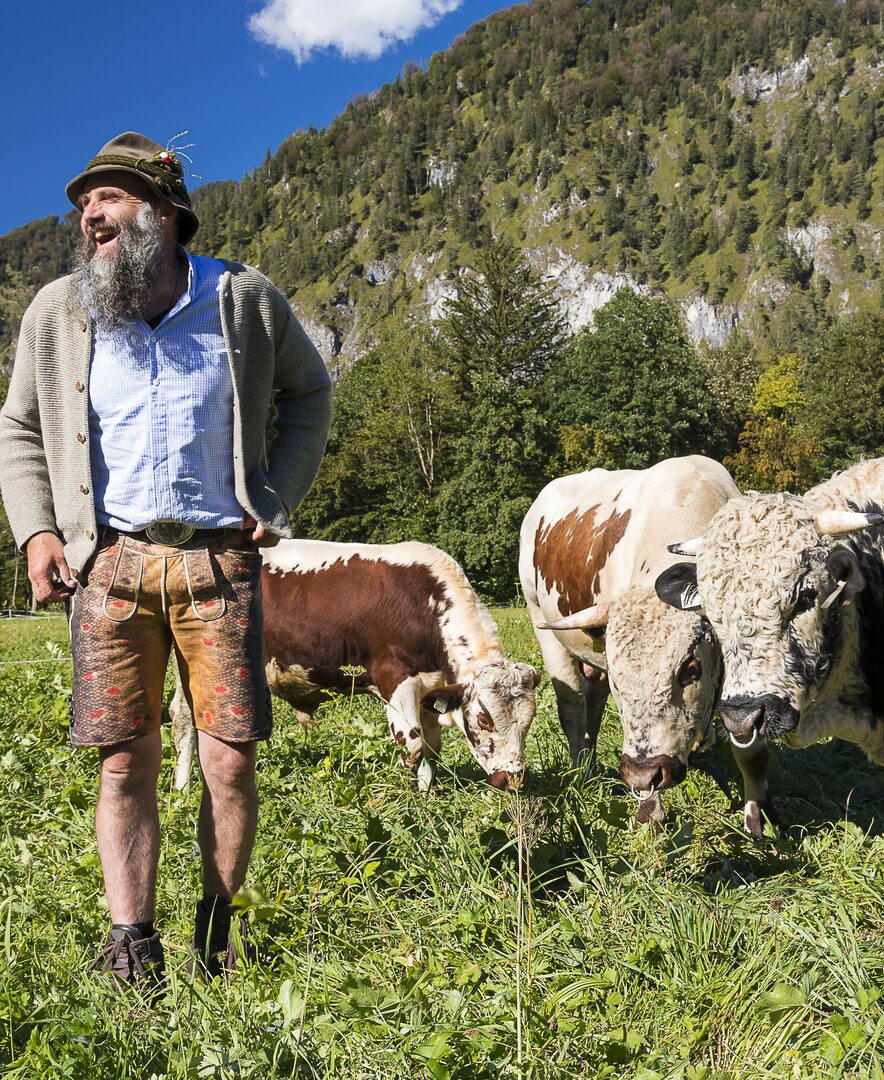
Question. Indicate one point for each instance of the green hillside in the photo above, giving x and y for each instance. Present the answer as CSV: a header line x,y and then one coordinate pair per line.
x,y
453,242
729,154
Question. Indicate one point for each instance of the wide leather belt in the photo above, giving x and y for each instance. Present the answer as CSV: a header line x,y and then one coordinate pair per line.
x,y
169,533
180,535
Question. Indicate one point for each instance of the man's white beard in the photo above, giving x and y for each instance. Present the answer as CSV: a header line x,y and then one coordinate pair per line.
x,y
119,287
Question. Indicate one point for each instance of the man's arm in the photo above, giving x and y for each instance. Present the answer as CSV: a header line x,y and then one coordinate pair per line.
x,y
303,413
24,473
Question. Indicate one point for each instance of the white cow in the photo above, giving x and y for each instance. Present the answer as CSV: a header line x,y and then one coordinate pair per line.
x,y
592,546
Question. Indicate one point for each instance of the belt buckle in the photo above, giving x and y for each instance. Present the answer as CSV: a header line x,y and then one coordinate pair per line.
x,y
169,533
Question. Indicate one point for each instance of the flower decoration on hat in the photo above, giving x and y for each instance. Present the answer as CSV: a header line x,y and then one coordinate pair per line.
x,y
167,159
172,154
166,167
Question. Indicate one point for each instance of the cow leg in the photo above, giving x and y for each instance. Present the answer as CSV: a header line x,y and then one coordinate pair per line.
x,y
752,763
404,716
183,731
431,733
567,682
595,692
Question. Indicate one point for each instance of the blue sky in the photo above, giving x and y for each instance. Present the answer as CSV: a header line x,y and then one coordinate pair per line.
x,y
241,75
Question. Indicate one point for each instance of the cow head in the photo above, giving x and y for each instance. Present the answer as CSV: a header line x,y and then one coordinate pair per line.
x,y
494,707
665,673
773,581
664,670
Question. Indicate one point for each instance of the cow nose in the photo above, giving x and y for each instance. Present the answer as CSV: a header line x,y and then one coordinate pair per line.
x,y
743,720
652,774
507,781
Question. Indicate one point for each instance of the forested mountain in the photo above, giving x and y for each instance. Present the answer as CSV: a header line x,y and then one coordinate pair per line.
x,y
728,153
722,159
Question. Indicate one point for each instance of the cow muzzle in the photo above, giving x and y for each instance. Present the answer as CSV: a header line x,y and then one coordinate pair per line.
x,y
767,717
507,781
652,774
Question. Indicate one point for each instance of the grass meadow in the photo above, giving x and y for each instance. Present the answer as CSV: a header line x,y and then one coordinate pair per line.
x,y
465,934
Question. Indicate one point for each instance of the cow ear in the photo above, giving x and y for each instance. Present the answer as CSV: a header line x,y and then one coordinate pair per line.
x,y
444,699
843,567
677,586
528,672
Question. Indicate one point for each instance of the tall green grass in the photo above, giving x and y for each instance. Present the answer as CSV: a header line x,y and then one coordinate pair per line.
x,y
465,934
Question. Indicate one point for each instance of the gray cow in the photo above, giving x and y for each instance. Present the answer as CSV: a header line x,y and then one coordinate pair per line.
x,y
592,546
794,588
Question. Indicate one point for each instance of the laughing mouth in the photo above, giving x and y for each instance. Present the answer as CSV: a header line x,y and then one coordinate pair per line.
x,y
102,236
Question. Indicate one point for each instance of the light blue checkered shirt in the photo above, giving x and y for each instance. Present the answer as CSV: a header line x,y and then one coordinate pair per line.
x,y
161,415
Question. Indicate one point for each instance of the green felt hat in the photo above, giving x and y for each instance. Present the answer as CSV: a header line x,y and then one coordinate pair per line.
x,y
157,166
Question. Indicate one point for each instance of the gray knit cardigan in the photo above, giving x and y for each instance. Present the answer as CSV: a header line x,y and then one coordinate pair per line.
x,y
44,425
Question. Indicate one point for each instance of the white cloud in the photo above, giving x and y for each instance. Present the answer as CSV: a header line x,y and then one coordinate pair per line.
x,y
357,29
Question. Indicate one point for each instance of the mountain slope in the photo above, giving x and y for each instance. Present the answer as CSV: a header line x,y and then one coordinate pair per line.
x,y
726,153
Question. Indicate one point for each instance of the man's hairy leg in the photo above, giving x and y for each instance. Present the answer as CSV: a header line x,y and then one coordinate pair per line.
x,y
127,826
228,813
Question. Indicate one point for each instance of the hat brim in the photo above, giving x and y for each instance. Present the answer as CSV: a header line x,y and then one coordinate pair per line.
x,y
188,222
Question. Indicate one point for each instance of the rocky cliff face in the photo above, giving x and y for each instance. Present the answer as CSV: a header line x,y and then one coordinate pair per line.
x,y
581,290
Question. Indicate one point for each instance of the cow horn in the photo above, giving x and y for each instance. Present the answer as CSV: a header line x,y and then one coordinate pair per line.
x,y
839,522
692,548
591,618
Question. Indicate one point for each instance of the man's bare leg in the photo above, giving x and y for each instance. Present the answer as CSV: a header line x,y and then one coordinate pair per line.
x,y
227,824
127,827
228,816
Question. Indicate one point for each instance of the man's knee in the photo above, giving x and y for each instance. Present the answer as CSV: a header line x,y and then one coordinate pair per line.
x,y
130,767
231,765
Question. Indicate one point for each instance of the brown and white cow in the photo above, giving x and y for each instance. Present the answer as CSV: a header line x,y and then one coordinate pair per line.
x,y
592,546
794,588
407,618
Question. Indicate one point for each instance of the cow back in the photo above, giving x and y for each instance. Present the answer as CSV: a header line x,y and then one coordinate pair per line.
x,y
592,536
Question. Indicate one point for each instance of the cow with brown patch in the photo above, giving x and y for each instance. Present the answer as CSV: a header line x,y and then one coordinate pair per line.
x,y
403,622
592,546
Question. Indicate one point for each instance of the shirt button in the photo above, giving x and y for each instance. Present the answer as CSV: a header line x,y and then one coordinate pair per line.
x,y
81,438
78,386
84,489
153,339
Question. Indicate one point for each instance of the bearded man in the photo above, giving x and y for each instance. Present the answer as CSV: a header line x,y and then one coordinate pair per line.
x,y
139,476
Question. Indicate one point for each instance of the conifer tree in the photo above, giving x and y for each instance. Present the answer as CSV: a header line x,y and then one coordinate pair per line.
x,y
501,334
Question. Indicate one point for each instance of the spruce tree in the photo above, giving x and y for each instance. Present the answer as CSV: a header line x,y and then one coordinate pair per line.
x,y
501,333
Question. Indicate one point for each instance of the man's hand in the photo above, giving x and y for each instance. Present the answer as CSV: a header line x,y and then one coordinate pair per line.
x,y
48,570
260,537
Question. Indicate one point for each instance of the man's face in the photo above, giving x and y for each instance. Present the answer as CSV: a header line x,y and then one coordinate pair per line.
x,y
126,237
107,204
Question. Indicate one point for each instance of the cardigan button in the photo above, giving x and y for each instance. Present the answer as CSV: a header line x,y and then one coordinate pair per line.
x,y
90,535
83,325
79,386
74,571
84,489
81,438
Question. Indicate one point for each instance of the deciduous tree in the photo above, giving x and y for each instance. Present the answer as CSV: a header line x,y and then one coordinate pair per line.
x,y
844,388
635,385
775,453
